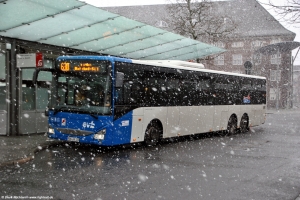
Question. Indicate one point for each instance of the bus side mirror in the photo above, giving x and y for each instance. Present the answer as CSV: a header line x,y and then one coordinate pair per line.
x,y
47,112
35,75
119,79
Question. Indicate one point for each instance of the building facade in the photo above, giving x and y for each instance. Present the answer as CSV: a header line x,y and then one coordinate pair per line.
x,y
255,28
296,85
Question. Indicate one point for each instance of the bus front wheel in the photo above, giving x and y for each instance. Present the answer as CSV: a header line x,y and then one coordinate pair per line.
x,y
232,125
153,134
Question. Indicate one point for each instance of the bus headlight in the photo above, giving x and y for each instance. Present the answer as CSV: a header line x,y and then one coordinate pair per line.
x,y
100,135
51,130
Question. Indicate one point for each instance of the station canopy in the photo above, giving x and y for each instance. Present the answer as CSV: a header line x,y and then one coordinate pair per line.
x,y
77,25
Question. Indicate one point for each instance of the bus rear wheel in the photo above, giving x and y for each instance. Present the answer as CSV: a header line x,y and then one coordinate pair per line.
x,y
232,126
244,124
153,134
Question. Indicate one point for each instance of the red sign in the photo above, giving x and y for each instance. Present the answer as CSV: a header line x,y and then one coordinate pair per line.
x,y
39,60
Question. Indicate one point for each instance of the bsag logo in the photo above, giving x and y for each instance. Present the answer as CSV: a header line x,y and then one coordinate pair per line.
x,y
88,125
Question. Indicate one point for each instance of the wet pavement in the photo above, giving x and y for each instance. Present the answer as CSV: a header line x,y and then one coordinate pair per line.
x,y
16,150
261,164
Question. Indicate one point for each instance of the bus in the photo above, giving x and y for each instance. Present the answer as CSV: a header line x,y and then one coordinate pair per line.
x,y
108,101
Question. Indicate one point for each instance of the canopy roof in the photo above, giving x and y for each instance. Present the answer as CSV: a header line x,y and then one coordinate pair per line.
x,y
279,47
77,25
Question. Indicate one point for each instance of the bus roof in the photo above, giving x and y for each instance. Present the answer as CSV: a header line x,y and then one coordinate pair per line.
x,y
88,57
175,64
191,68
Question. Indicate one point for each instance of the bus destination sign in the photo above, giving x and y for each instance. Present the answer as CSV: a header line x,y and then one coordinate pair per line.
x,y
80,67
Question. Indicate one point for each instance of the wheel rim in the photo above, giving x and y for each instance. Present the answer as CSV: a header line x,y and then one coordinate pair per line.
x,y
152,136
244,124
232,126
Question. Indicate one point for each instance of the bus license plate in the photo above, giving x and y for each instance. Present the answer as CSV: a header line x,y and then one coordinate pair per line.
x,y
73,139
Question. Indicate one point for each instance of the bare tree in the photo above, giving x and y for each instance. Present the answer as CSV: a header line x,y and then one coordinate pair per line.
x,y
290,12
199,20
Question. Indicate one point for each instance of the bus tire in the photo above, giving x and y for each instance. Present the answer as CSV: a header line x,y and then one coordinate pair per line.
x,y
232,125
152,134
244,123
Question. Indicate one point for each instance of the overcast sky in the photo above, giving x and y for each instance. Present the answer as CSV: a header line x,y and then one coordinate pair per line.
x,y
112,3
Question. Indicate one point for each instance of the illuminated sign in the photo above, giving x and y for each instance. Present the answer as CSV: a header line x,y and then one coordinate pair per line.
x,y
86,67
82,67
65,66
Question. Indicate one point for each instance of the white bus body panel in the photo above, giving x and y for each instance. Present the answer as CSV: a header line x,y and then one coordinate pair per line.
x,y
187,120
172,126
137,125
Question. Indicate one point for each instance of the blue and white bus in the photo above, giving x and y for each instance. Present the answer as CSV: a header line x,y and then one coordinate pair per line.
x,y
107,101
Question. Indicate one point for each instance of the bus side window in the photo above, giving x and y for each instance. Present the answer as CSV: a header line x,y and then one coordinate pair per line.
x,y
232,91
71,90
189,93
61,95
203,88
247,91
127,91
259,91
119,96
220,91
135,95
246,84
172,91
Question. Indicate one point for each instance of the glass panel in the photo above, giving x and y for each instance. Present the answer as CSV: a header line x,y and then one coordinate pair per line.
x,y
27,74
48,63
2,96
82,86
2,83
45,76
16,10
28,96
103,32
42,97
2,66
87,93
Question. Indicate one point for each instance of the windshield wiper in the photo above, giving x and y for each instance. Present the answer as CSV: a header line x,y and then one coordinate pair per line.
x,y
65,108
56,110
94,116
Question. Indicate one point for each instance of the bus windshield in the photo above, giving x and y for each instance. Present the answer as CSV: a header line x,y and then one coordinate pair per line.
x,y
82,92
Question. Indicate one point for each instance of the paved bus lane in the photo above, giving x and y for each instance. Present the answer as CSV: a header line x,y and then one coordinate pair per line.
x,y
261,164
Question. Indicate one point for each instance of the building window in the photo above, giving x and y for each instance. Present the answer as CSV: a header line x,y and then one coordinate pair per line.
x,y
161,24
273,92
274,41
275,59
257,59
237,44
275,75
219,60
257,43
237,59
219,44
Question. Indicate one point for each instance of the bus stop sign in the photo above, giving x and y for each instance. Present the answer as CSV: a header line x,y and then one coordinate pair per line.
x,y
30,60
